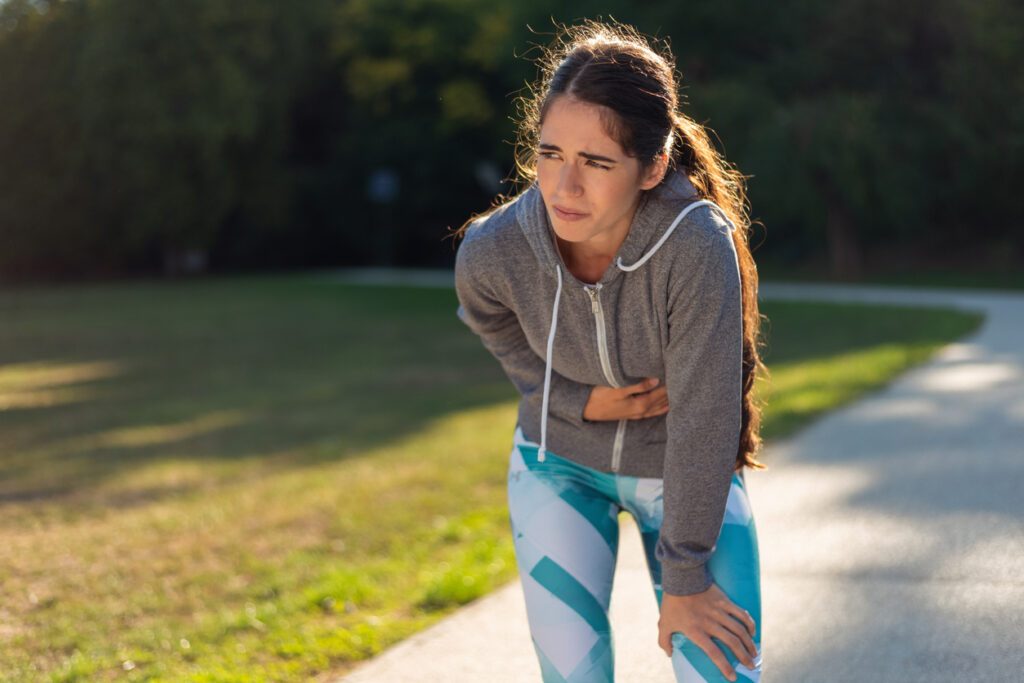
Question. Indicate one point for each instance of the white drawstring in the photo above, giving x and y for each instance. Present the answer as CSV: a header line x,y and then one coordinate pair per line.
x,y
668,232
547,370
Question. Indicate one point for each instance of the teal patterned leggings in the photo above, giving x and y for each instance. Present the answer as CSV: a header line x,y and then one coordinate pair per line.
x,y
565,527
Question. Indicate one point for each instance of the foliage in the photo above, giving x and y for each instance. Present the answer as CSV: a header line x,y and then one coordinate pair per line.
x,y
248,131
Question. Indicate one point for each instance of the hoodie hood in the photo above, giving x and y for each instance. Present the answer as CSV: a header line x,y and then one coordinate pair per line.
x,y
660,210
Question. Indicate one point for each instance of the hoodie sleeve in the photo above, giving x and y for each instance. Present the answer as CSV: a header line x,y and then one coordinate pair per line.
x,y
483,311
704,374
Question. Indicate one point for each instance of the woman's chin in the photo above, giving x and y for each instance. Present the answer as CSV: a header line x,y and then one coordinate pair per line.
x,y
571,232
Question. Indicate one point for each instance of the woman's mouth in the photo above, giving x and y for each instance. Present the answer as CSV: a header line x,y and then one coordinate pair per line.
x,y
569,215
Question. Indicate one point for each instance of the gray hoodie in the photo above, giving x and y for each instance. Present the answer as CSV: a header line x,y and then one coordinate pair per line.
x,y
669,306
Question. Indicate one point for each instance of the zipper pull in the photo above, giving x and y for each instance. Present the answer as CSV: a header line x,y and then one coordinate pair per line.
x,y
593,300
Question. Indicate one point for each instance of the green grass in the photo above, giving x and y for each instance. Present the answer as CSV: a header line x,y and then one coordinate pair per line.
x,y
271,478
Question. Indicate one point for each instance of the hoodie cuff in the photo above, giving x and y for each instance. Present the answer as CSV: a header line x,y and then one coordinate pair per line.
x,y
676,580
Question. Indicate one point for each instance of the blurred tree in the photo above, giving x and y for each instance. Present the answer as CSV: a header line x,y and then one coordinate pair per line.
x,y
426,76
181,104
868,127
46,211
246,133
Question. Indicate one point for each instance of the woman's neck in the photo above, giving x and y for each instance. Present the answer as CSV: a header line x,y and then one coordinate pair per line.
x,y
586,267
589,260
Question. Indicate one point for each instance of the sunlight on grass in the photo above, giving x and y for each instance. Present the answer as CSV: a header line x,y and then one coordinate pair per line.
x,y
31,376
39,384
326,563
802,388
150,435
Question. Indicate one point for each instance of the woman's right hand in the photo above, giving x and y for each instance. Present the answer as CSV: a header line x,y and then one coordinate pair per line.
x,y
635,402
708,614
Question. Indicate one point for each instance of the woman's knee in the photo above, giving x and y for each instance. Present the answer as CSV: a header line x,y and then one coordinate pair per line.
x,y
692,665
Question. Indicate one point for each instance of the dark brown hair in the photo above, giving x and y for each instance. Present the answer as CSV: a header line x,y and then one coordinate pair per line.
x,y
634,85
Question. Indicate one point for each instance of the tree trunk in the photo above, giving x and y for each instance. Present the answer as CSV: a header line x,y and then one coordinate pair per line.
x,y
844,252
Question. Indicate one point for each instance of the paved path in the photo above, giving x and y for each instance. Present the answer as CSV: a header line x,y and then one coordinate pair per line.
x,y
891,534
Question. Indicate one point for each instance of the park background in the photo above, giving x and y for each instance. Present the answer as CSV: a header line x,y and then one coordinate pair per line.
x,y
880,138
219,462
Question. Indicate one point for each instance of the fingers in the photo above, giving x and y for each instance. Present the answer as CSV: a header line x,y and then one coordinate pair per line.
x,y
716,656
658,394
650,404
739,646
744,618
730,632
640,387
617,403
742,625
712,650
664,639
658,409
713,623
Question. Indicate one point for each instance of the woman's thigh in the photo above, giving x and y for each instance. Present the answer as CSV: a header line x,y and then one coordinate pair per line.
x,y
734,567
566,537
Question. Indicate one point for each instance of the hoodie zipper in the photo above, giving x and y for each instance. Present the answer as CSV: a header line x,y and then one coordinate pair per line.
x,y
606,366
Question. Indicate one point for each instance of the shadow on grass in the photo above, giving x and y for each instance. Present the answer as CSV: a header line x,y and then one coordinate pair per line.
x,y
278,371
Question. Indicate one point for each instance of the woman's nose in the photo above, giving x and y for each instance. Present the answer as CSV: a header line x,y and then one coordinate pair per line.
x,y
568,181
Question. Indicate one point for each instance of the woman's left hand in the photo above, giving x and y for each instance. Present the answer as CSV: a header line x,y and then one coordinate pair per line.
x,y
703,615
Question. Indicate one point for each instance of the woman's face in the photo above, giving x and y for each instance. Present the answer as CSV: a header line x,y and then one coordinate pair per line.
x,y
582,170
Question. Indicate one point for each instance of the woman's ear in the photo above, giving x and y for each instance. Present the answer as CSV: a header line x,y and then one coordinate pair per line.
x,y
656,173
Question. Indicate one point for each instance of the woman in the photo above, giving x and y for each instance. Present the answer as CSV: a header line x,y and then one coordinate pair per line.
x,y
619,295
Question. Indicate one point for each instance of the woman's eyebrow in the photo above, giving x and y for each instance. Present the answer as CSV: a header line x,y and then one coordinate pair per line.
x,y
586,155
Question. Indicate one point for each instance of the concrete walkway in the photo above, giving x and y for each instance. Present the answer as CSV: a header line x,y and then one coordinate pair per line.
x,y
891,534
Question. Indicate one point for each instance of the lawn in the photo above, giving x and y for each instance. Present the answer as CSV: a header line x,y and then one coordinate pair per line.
x,y
270,478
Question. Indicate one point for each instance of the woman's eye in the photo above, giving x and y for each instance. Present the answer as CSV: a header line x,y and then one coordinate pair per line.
x,y
590,162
